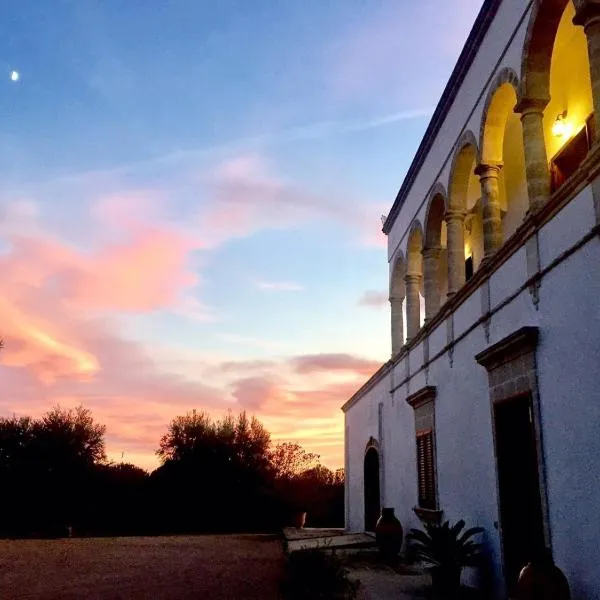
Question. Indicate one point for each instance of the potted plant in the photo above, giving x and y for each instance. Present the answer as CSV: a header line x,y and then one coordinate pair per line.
x,y
445,551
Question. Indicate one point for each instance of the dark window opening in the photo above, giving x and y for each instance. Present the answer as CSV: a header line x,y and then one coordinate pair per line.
x,y
568,159
426,469
469,268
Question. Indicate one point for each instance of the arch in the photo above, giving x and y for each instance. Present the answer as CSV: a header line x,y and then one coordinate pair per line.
x,y
397,277
372,443
501,143
397,305
414,248
435,258
537,49
372,492
434,217
500,102
466,157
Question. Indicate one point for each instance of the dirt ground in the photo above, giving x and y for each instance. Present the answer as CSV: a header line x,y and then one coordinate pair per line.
x,y
163,568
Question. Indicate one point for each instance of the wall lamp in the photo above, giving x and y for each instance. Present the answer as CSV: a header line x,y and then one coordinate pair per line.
x,y
561,127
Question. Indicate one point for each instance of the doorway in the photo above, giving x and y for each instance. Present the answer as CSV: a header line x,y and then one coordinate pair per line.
x,y
521,513
371,483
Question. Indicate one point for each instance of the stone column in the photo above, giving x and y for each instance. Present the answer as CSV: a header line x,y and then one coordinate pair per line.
x,y
413,305
588,16
431,282
534,145
492,218
455,229
397,324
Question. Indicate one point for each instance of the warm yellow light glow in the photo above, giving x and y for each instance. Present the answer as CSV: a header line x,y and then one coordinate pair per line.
x,y
561,127
468,251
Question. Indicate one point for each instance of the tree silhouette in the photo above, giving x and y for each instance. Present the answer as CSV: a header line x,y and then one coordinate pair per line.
x,y
215,475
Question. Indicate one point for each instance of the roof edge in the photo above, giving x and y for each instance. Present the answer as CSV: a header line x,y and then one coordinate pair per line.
x,y
463,64
368,385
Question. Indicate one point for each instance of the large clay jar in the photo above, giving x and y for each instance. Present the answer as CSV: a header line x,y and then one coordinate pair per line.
x,y
541,579
299,519
389,534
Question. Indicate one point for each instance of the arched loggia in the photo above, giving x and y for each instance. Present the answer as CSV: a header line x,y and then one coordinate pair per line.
x,y
464,220
397,295
502,165
414,281
435,262
560,83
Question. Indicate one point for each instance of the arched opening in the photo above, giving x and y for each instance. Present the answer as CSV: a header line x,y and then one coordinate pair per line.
x,y
397,304
372,492
502,144
570,83
556,70
415,305
465,197
435,263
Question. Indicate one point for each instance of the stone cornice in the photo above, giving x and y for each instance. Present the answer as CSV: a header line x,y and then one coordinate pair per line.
x,y
521,341
526,106
482,23
368,385
422,397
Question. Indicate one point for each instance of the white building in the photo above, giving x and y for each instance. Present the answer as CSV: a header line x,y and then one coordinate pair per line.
x,y
489,408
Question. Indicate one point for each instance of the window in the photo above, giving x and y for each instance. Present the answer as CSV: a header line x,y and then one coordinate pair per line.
x,y
566,162
426,469
468,268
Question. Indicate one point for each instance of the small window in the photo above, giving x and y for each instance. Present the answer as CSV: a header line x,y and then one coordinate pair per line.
x,y
468,268
426,469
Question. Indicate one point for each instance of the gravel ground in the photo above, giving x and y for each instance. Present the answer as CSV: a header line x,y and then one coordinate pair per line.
x,y
150,568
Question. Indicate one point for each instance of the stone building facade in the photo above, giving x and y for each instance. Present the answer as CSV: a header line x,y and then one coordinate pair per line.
x,y
489,407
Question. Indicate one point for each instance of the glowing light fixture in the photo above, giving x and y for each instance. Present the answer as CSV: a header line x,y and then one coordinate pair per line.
x,y
561,128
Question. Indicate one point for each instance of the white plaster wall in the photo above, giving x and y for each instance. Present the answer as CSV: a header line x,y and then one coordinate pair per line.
x,y
362,421
465,453
569,385
568,317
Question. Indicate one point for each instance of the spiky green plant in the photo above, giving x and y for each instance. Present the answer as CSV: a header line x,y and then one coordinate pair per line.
x,y
445,546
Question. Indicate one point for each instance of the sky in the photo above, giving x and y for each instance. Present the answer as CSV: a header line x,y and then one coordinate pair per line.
x,y
190,204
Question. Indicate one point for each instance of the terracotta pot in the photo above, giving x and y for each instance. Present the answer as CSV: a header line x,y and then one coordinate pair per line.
x,y
389,534
541,579
299,519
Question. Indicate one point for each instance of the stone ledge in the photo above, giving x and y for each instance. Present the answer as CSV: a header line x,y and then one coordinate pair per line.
x,y
422,397
516,344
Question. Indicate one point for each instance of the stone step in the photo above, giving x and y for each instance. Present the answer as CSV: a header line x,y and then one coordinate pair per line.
x,y
336,542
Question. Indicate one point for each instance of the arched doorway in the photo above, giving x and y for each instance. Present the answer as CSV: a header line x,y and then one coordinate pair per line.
x,y
371,483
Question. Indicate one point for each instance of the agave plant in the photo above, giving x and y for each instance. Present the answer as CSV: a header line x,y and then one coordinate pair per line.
x,y
446,550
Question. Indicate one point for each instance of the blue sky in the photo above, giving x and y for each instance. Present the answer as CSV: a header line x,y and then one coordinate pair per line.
x,y
199,185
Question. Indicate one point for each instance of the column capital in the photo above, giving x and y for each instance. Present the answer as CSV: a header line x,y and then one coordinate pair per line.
x,y
528,106
453,214
489,169
432,252
587,14
413,278
396,298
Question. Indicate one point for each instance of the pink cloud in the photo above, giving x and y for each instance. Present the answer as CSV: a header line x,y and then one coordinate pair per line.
x,y
248,196
374,299
297,399
62,343
312,363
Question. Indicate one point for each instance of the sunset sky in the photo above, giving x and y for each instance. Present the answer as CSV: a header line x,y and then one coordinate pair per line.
x,y
190,203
